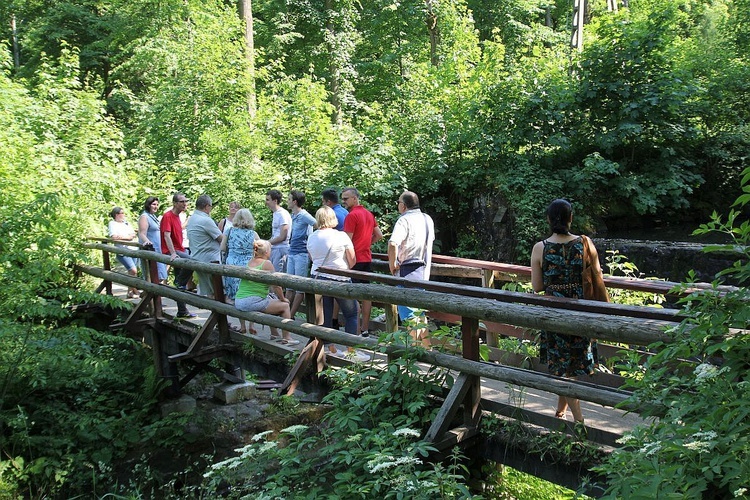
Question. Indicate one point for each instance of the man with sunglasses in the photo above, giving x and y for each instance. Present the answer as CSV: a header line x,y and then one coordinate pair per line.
x,y
172,245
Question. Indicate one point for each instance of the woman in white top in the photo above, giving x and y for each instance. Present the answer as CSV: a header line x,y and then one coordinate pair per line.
x,y
119,229
333,249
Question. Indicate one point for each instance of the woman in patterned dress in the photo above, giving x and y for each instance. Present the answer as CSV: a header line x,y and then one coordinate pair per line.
x,y
237,244
556,267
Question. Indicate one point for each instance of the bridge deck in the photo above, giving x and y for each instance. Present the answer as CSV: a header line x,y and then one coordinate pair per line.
x,y
597,417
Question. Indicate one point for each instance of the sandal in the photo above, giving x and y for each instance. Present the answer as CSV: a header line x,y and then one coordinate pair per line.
x,y
560,414
236,329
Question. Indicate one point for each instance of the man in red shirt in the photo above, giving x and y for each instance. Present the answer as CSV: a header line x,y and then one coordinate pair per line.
x,y
171,244
363,230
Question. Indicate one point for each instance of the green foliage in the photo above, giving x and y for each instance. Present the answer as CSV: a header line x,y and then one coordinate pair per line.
x,y
619,265
697,387
369,444
65,392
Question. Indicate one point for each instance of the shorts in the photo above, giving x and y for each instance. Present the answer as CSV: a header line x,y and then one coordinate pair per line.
x,y
252,303
129,263
278,258
364,267
298,265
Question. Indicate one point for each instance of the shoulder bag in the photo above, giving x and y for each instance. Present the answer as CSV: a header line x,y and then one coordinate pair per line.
x,y
593,283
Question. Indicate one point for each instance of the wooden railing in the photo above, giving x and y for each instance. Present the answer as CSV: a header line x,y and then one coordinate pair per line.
x,y
620,324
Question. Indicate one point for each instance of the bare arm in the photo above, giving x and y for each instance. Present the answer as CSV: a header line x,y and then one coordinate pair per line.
x,y
282,235
268,266
351,258
377,235
392,253
223,245
170,243
537,280
143,229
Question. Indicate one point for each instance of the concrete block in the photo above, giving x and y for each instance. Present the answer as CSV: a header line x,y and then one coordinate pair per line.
x,y
183,404
232,393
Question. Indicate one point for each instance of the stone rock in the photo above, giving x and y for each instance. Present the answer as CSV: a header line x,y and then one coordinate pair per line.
x,y
232,393
183,404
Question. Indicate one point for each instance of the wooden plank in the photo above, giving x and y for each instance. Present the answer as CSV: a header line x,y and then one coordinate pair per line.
x,y
307,359
600,436
454,437
448,410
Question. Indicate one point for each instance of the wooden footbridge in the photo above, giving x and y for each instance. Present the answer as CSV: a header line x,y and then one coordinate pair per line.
x,y
482,312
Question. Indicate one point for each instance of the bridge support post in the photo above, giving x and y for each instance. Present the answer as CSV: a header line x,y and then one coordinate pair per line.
x,y
466,393
107,266
488,281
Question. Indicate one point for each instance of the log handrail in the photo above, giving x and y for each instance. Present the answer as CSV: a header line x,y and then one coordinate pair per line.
x,y
519,297
519,376
524,274
616,328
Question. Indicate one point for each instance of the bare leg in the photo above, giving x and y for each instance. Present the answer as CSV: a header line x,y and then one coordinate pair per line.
x,y
419,333
562,406
575,409
364,324
296,303
279,308
133,291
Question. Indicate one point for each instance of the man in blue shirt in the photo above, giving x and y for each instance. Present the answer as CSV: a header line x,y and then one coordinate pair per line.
x,y
331,199
298,259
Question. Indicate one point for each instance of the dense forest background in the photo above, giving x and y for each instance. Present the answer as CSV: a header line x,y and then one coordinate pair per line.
x,y
482,108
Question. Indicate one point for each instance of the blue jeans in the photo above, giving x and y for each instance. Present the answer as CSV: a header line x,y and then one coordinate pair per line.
x,y
348,307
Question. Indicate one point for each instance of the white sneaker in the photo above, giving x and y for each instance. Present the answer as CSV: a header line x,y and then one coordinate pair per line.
x,y
380,319
339,353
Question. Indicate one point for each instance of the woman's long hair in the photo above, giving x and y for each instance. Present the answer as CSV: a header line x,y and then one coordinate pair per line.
x,y
559,213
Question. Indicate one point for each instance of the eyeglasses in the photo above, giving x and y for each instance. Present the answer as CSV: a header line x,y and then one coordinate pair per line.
x,y
399,202
182,201
345,198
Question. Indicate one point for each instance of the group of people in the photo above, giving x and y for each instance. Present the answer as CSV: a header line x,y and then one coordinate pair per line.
x,y
337,237
341,237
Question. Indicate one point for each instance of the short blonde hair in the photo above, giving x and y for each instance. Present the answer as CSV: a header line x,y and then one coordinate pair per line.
x,y
262,247
326,217
243,219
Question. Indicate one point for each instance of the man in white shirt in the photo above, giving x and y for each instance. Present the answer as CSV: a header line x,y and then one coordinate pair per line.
x,y
280,230
410,253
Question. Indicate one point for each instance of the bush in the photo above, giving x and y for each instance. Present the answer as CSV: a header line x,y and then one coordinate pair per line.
x,y
697,386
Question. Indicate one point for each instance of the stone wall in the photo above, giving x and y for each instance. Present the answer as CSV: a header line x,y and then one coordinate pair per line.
x,y
669,259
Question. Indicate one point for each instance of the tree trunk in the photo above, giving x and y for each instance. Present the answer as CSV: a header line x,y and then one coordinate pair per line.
x,y
333,65
16,51
246,13
432,27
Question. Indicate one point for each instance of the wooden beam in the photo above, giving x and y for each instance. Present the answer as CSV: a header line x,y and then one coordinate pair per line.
x,y
309,359
450,407
630,330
